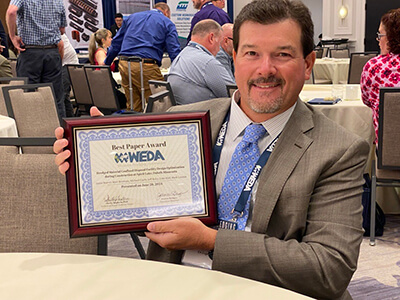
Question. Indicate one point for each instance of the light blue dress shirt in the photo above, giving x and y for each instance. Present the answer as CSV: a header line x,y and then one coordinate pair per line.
x,y
227,61
196,75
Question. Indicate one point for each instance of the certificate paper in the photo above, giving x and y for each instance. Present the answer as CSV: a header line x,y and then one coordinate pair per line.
x,y
129,174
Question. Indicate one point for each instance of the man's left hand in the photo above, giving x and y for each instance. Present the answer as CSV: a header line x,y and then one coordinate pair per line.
x,y
182,234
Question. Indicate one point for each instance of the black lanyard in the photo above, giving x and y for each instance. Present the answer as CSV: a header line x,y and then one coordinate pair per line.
x,y
248,187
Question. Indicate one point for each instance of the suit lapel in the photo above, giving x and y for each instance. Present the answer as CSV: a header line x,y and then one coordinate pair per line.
x,y
290,147
218,110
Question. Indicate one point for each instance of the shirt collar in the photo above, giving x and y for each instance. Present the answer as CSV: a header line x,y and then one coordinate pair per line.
x,y
199,46
273,126
226,53
206,4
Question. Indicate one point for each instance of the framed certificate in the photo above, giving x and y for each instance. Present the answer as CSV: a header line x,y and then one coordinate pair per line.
x,y
130,170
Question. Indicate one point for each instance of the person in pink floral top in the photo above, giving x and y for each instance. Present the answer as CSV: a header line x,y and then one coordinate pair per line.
x,y
382,70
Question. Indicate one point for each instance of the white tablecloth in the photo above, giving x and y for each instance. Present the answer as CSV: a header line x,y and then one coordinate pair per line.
x,y
356,117
334,69
118,79
351,114
72,276
8,127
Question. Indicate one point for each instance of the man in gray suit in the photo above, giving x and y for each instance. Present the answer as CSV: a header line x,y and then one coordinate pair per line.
x,y
303,228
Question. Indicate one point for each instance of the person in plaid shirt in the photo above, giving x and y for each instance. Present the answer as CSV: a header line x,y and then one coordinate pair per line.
x,y
40,24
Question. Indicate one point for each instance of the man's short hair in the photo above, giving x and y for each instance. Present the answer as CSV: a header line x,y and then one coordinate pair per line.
x,y
273,11
206,26
118,15
162,5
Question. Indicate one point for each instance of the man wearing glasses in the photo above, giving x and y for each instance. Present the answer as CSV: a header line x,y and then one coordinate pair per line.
x,y
382,70
224,56
219,3
207,11
195,75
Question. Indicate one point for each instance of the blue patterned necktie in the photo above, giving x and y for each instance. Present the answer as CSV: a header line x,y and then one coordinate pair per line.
x,y
242,163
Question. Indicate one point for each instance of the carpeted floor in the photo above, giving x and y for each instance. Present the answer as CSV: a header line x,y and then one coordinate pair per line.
x,y
378,273
377,276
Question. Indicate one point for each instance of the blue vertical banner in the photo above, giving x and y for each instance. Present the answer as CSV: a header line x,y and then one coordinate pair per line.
x,y
84,17
229,5
109,11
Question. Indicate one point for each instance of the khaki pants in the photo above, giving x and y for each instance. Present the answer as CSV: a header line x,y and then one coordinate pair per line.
x,y
150,72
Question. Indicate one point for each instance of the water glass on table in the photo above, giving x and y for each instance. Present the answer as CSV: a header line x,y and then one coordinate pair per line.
x,y
352,92
337,91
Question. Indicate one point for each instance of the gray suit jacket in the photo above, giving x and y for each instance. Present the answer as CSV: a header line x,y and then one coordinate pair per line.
x,y
5,67
306,229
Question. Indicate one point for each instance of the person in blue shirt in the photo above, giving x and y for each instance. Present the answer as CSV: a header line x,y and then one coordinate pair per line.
x,y
196,75
224,56
207,11
146,35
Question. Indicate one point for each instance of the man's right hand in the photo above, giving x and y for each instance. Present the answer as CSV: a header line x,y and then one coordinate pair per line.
x,y
18,44
61,143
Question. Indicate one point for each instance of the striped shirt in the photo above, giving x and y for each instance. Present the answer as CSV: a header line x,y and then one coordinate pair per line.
x,y
235,132
39,21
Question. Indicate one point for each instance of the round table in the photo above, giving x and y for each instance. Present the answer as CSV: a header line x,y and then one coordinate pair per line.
x,y
334,69
73,276
351,113
8,127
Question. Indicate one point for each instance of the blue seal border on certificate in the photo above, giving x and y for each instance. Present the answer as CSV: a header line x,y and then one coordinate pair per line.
x,y
90,216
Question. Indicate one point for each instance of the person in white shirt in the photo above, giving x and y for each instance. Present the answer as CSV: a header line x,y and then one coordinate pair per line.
x,y
69,57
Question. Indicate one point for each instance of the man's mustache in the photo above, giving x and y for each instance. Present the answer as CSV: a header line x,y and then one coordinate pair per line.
x,y
265,80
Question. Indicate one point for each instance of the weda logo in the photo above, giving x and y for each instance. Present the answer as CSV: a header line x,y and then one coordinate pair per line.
x,y
221,134
182,5
138,156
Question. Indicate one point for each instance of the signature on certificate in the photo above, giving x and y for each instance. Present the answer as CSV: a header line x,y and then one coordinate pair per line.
x,y
116,199
171,196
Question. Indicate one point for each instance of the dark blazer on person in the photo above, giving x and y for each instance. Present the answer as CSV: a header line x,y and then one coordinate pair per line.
x,y
114,28
3,37
307,220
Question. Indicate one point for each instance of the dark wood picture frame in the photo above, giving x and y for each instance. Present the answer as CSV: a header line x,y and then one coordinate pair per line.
x,y
73,126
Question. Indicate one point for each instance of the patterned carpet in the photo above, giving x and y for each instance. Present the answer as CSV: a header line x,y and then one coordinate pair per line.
x,y
378,273
377,276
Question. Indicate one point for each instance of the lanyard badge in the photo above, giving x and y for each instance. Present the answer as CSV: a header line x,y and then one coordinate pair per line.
x,y
237,212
